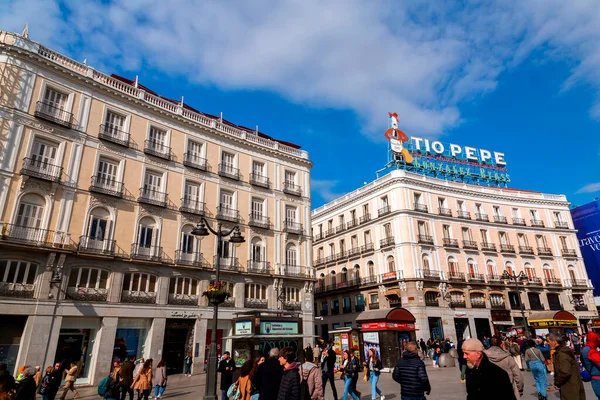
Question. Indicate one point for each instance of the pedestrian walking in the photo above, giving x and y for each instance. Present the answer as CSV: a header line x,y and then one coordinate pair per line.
x,y
113,389
26,387
316,354
485,380
143,380
423,347
226,368
576,340
244,382
187,363
504,360
328,359
590,357
160,379
126,376
515,351
308,348
310,373
290,381
373,364
51,382
462,363
567,377
7,382
411,374
37,377
268,376
139,364
534,359
437,352
349,369
70,379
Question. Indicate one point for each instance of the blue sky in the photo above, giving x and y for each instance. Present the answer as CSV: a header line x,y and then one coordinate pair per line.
x,y
521,77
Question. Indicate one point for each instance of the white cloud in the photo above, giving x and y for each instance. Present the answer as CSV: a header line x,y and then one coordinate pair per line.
x,y
418,58
325,189
589,188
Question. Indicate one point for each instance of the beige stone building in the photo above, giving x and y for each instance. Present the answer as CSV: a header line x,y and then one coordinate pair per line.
x,y
101,183
439,248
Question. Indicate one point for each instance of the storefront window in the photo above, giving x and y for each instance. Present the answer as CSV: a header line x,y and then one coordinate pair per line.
x,y
75,345
10,339
129,342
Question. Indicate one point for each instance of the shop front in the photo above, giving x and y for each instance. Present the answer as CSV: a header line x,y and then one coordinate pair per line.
x,y
178,342
560,322
501,321
388,331
76,345
131,339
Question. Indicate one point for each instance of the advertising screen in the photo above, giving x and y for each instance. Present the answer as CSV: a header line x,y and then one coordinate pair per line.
x,y
586,219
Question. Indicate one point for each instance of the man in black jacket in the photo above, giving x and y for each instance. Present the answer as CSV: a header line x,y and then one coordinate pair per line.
x,y
410,373
226,368
268,376
7,382
485,381
327,366
290,381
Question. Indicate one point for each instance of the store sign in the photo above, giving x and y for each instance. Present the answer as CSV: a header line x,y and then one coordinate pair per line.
x,y
184,314
278,328
552,322
457,152
500,315
389,275
243,327
388,326
596,322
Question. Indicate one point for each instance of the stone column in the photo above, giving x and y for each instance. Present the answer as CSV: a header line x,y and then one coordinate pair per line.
x,y
156,337
162,292
200,339
239,295
116,286
105,343
39,340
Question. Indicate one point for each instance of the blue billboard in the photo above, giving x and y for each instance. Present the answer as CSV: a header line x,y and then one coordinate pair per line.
x,y
586,219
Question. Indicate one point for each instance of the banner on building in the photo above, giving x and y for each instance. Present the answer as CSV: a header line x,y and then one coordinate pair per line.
x,y
586,220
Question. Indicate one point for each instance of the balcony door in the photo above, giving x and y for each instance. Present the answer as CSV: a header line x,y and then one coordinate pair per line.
x,y
257,209
158,138
290,215
291,257
107,173
55,102
192,193
187,240
30,212
257,252
43,156
152,183
226,201
195,150
114,124
147,233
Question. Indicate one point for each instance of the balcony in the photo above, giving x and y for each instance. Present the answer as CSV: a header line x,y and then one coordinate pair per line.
x,y
432,302
191,205
52,113
464,214
581,308
482,217
429,274
373,306
569,253
526,250
420,207
507,248
319,261
470,244
229,303
193,160
329,232
228,214
476,278
191,259
229,171
18,290
259,221
41,169
34,236
498,306
292,305
367,248
330,259
354,252
138,297
256,303
93,245
499,219
385,242
456,276
578,283
544,251
341,255
535,281
519,221
152,196
458,304
561,225
553,282
450,242
340,228
485,246
113,134
365,218
319,236
183,299
227,263
383,211
478,304
495,279
106,185
445,211
537,223
425,239
352,223
292,188
86,294
293,227
157,149
143,252
259,267
295,271
260,181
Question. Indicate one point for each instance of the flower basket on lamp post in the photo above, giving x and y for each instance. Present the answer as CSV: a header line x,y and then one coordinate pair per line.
x,y
216,293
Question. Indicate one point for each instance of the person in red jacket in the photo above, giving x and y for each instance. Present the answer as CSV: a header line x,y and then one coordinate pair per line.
x,y
590,356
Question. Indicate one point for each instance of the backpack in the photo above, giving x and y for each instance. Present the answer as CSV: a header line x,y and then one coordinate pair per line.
x,y
103,386
45,384
304,390
514,350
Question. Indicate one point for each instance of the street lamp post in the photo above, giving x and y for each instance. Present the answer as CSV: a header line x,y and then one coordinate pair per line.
x,y
201,230
517,278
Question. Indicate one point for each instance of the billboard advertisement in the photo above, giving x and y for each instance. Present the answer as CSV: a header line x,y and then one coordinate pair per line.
x,y
586,219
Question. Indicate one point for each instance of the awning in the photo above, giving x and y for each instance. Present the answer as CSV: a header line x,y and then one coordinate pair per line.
x,y
544,319
396,319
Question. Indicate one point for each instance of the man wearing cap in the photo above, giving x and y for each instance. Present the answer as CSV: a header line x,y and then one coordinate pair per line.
x,y
485,381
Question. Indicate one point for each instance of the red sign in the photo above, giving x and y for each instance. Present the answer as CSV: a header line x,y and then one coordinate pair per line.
x,y
596,322
388,326
389,275
219,343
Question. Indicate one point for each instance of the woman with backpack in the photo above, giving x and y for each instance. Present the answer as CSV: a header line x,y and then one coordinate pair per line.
x,y
349,369
161,379
536,363
143,380
373,365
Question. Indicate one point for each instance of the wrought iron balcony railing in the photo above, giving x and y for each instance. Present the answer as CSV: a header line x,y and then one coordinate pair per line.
x,y
86,294
494,279
41,169
365,218
388,241
500,219
367,248
569,253
292,188
561,225
259,221
179,299
35,236
544,251
450,242
229,171
114,134
143,252
432,302
445,212
421,207
430,274
191,259
228,214
138,297
578,282
256,303
340,228
507,248
352,223
260,267
88,244
519,221
425,239
295,270
470,244
151,196
157,149
329,232
191,205
228,263
526,250
456,276
293,227
538,223
464,214
476,277
260,180
106,185
52,113
18,290
482,217
194,160
292,305
383,211
553,282
486,246
353,252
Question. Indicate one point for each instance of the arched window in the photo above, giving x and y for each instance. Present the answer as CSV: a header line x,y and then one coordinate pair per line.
x,y
371,269
530,271
139,288
426,265
291,255
188,242
572,273
256,295
98,235
452,266
497,300
548,273
472,267
88,284
332,279
510,269
344,275
322,282
292,294
257,251
147,238
491,269
183,291
17,277
30,211
457,299
477,300
391,264
357,272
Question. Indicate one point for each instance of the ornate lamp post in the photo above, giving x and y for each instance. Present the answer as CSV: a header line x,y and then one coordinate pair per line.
x,y
522,277
201,230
